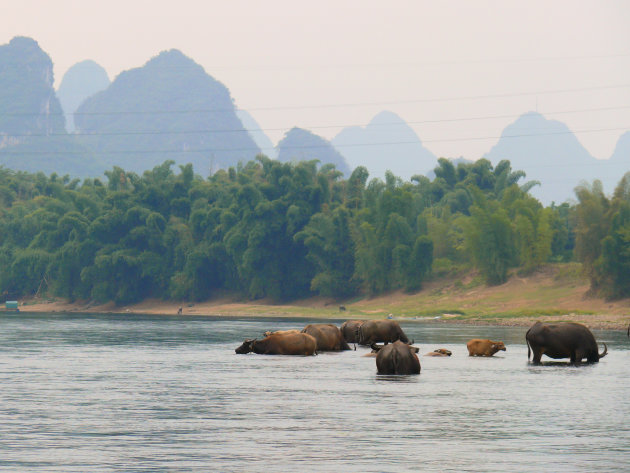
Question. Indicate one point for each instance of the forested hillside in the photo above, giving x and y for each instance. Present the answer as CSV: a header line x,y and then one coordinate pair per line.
x,y
283,231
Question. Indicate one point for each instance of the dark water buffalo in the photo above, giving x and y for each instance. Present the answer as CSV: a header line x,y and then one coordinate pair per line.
x,y
295,343
376,348
384,331
439,352
563,340
397,358
328,336
350,330
479,347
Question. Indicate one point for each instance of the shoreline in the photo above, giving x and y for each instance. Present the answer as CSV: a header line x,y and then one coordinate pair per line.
x,y
606,321
556,292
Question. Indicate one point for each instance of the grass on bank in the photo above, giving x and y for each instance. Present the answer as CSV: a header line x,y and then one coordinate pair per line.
x,y
556,292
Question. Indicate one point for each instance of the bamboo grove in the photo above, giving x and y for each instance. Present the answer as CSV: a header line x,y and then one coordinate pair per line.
x,y
283,231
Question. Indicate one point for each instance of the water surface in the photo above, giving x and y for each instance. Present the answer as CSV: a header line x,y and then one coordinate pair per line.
x,y
153,393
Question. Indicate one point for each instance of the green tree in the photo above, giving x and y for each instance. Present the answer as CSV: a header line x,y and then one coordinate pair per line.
x,y
489,239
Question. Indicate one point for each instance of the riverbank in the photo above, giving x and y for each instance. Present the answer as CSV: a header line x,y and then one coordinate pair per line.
x,y
557,292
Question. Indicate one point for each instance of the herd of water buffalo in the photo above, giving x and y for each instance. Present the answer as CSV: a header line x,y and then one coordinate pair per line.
x,y
397,355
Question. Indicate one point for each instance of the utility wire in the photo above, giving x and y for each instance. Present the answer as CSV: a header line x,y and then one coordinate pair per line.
x,y
322,106
241,130
384,143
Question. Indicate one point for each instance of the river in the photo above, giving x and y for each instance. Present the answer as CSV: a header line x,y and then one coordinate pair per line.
x,y
92,393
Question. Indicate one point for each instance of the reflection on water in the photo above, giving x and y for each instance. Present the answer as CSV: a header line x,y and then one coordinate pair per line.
x,y
133,393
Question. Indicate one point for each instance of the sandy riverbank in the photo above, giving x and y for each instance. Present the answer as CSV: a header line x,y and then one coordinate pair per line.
x,y
550,295
617,321
557,292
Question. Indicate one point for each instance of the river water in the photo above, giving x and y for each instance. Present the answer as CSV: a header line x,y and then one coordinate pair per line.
x,y
88,393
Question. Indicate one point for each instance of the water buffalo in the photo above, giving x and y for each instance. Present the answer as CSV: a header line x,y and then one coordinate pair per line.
x,y
376,348
439,352
397,358
350,330
281,344
385,331
328,336
563,340
478,347
269,332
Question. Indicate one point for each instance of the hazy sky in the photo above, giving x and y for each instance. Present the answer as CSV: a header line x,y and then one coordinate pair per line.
x,y
458,71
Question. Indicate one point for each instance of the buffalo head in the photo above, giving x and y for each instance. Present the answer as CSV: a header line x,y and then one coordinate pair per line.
x,y
246,347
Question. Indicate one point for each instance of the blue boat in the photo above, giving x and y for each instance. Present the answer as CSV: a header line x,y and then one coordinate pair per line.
x,y
11,306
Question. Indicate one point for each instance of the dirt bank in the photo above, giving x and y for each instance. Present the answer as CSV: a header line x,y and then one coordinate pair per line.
x,y
557,292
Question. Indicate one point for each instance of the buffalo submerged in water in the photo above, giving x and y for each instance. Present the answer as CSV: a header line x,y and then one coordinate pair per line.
x,y
563,340
292,343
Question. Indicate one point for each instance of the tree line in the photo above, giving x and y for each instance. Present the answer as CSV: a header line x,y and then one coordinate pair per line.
x,y
290,230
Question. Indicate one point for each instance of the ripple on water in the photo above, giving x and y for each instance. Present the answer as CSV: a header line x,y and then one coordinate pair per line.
x,y
99,393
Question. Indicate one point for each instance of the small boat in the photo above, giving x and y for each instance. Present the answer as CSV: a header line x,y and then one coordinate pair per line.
x,y
11,306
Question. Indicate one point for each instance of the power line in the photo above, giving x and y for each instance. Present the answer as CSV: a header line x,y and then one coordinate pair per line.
x,y
417,63
7,151
501,60
338,105
241,130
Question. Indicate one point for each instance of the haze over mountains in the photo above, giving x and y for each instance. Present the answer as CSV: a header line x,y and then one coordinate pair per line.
x,y
81,81
386,143
167,109
33,137
258,135
302,145
548,152
170,108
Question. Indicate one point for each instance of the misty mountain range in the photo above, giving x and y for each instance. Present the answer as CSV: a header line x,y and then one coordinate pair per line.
x,y
170,108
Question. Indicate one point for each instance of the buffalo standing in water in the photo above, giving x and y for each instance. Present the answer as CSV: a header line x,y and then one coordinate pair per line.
x,y
397,358
563,340
328,336
350,330
281,344
479,347
384,331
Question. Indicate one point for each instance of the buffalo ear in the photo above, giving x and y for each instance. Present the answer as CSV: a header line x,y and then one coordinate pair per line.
x,y
495,346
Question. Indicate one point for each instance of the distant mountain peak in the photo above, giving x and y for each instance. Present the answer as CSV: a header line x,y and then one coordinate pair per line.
x,y
622,150
28,103
82,80
547,151
386,117
534,122
158,108
24,43
171,58
299,144
387,142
